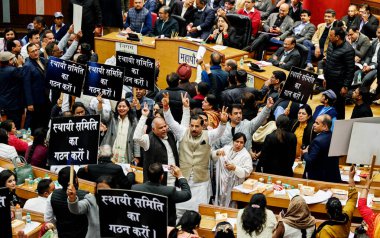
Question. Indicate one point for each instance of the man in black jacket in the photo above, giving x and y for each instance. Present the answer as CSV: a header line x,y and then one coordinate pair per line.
x,y
11,101
160,145
155,176
57,210
339,68
166,26
175,95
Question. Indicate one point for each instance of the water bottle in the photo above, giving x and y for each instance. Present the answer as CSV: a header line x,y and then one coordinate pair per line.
x,y
28,218
359,78
23,132
18,212
241,62
31,181
269,181
28,133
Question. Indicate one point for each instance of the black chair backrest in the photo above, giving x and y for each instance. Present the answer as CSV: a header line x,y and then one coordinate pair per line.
x,y
243,27
303,50
181,24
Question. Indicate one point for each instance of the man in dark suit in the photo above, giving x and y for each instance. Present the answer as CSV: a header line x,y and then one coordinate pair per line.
x,y
183,9
169,3
369,22
35,88
165,26
370,64
319,166
359,42
352,18
105,166
11,101
155,176
202,20
301,30
286,56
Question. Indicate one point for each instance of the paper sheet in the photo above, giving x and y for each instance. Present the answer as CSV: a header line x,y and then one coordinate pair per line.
x,y
77,17
243,190
201,52
318,197
219,47
30,227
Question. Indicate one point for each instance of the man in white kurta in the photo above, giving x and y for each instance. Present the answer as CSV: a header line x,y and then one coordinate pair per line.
x,y
194,151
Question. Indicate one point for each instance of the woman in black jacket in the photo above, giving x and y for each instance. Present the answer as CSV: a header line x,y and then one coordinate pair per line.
x,y
303,128
224,33
279,149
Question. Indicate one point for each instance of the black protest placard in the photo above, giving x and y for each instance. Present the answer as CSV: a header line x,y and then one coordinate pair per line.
x,y
65,76
104,79
126,213
139,70
299,85
74,140
5,214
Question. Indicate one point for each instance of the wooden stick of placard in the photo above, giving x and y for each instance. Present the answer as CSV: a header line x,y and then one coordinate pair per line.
x,y
134,92
72,174
289,105
372,166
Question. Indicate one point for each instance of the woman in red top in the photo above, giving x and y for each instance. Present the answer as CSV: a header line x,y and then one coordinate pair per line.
x,y
37,153
20,145
372,219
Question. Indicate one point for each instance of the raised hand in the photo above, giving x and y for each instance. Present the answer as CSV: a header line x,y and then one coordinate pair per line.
x,y
71,193
145,110
185,100
99,98
136,104
71,29
224,115
165,101
270,102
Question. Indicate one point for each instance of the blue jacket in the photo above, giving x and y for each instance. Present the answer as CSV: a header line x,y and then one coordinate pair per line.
x,y
11,89
220,76
147,27
319,165
35,83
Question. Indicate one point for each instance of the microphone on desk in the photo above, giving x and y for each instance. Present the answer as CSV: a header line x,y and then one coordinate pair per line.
x,y
142,26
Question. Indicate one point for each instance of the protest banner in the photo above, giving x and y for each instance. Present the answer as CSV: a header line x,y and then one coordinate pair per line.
x,y
65,76
139,70
74,140
104,79
5,214
126,213
299,85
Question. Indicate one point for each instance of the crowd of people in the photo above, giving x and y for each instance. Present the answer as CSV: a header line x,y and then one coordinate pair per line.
x,y
196,141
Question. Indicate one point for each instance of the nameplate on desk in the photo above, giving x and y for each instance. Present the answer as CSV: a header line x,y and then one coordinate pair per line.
x,y
127,48
187,56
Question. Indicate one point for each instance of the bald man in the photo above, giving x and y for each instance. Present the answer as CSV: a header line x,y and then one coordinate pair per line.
x,y
159,145
277,24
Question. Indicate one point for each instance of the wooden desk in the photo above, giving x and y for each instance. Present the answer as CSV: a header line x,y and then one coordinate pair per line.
x,y
283,201
208,221
164,50
26,193
260,77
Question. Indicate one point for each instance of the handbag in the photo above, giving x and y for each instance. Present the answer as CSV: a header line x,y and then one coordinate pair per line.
x,y
22,172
